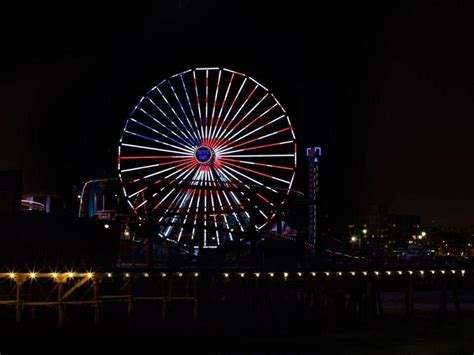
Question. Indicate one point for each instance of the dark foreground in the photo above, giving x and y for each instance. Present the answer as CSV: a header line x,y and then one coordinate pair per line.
x,y
229,314
391,335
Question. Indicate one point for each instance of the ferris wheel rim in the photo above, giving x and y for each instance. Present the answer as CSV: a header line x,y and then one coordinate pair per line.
x,y
208,135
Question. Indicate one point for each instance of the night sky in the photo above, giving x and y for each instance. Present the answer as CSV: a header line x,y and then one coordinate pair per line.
x,y
389,90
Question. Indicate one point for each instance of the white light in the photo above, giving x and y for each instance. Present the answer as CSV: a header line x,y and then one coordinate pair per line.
x,y
365,273
353,273
376,272
70,274
127,274
257,274
285,274
196,274
90,275
423,234
364,231
12,275
163,274
339,273
300,274
410,272
54,275
353,239
226,274
242,274
106,226
78,196
400,272
453,271
327,273
32,275
463,272
433,272
422,272
389,272
146,274
271,274
313,274
442,271
109,274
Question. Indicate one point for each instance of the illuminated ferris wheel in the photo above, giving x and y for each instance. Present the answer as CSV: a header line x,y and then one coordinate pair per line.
x,y
207,151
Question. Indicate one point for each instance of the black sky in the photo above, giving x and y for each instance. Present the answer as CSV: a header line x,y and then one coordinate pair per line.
x,y
389,89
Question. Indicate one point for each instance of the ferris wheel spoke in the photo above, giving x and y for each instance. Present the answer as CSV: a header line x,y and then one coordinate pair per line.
x,y
225,217
206,116
222,106
142,136
225,135
251,123
214,105
187,169
187,214
233,213
258,129
253,140
178,167
221,135
259,155
230,109
156,131
150,166
198,132
181,137
153,157
258,172
156,149
188,133
256,147
231,206
248,178
182,134
198,104
193,131
163,200
259,164
214,216
179,193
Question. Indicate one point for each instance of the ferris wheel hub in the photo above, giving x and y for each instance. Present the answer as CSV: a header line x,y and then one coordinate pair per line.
x,y
204,155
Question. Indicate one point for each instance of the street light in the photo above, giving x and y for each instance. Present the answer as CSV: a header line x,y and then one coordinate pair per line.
x,y
355,238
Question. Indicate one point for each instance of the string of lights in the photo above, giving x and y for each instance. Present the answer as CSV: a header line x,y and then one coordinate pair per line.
x,y
62,276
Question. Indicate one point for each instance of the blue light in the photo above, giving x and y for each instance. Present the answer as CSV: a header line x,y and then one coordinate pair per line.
x,y
203,154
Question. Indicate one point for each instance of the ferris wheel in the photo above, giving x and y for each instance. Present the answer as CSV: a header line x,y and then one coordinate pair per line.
x,y
201,149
